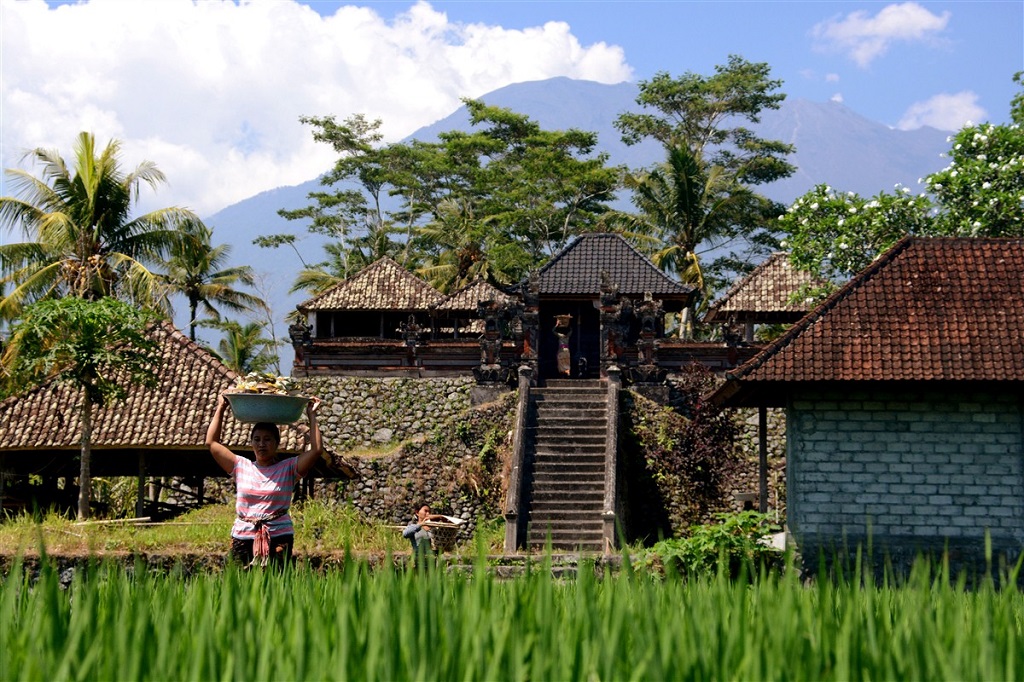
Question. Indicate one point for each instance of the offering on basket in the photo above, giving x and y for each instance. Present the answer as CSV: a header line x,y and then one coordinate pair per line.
x,y
266,398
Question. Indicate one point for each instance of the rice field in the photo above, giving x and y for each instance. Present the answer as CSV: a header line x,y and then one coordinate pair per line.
x,y
427,623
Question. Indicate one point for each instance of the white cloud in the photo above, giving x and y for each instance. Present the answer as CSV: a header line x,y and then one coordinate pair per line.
x,y
943,111
863,37
837,98
831,77
212,91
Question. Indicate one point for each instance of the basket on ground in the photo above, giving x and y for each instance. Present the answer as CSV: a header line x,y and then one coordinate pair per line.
x,y
267,407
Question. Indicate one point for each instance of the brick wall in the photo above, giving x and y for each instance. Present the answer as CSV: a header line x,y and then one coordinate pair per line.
x,y
922,470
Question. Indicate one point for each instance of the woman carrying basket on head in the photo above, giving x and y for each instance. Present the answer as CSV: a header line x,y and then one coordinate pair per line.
x,y
263,529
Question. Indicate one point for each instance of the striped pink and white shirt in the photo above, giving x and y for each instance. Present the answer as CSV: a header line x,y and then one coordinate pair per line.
x,y
263,492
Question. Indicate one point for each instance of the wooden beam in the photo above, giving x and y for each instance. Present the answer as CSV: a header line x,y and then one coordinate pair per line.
x,y
762,446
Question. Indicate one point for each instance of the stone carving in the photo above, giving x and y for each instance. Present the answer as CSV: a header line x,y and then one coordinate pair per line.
x,y
650,313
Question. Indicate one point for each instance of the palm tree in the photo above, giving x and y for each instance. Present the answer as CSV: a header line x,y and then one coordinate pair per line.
x,y
195,269
684,203
244,349
82,240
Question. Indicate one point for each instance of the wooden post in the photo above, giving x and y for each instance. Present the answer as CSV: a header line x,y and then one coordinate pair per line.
x,y
762,443
140,499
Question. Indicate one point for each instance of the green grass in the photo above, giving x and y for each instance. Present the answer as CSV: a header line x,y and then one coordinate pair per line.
x,y
354,623
320,528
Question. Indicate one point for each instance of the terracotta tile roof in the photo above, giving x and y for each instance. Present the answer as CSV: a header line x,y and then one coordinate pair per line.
x,y
930,309
467,298
173,415
764,294
577,270
382,285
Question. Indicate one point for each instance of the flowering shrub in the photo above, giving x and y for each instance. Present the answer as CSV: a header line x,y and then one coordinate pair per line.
x,y
979,194
982,188
836,234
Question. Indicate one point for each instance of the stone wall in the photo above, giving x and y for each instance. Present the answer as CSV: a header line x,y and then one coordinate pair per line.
x,y
367,412
458,469
746,479
912,471
442,453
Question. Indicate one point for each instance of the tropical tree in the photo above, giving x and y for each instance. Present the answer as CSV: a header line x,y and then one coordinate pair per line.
x,y
82,239
834,235
99,348
980,193
197,270
703,193
516,192
244,348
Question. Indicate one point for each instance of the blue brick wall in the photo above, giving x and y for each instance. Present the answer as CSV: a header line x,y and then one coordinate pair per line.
x,y
923,468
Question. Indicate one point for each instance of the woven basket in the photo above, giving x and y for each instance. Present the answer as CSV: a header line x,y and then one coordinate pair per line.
x,y
442,535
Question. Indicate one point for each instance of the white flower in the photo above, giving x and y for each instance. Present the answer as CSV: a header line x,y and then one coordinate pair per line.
x,y
814,206
841,221
982,157
844,245
853,209
784,244
976,224
986,185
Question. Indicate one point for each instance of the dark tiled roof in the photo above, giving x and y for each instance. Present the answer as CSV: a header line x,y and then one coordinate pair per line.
x,y
577,270
467,298
382,285
765,294
173,415
938,309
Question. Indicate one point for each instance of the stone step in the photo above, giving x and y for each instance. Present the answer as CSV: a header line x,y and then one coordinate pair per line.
x,y
573,418
568,489
570,425
549,504
575,383
589,398
554,470
591,495
565,529
561,443
576,517
564,455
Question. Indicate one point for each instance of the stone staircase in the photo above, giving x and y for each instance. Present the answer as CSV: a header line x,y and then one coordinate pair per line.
x,y
565,452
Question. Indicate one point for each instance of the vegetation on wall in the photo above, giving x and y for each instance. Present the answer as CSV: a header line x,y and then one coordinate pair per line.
x,y
675,458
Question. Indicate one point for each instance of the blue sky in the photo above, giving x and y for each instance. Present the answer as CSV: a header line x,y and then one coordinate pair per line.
x,y
881,58
211,90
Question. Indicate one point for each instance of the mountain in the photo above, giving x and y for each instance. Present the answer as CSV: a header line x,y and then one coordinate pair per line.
x,y
834,144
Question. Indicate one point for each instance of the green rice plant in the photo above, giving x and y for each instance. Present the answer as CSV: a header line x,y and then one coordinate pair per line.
x,y
427,623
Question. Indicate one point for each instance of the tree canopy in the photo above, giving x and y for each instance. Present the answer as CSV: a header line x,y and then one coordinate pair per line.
x,y
98,348
702,196
493,202
82,238
980,193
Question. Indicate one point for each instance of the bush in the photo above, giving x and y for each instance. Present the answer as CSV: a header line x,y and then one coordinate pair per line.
x,y
738,541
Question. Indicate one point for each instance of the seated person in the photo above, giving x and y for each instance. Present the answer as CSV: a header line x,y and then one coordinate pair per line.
x,y
415,532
